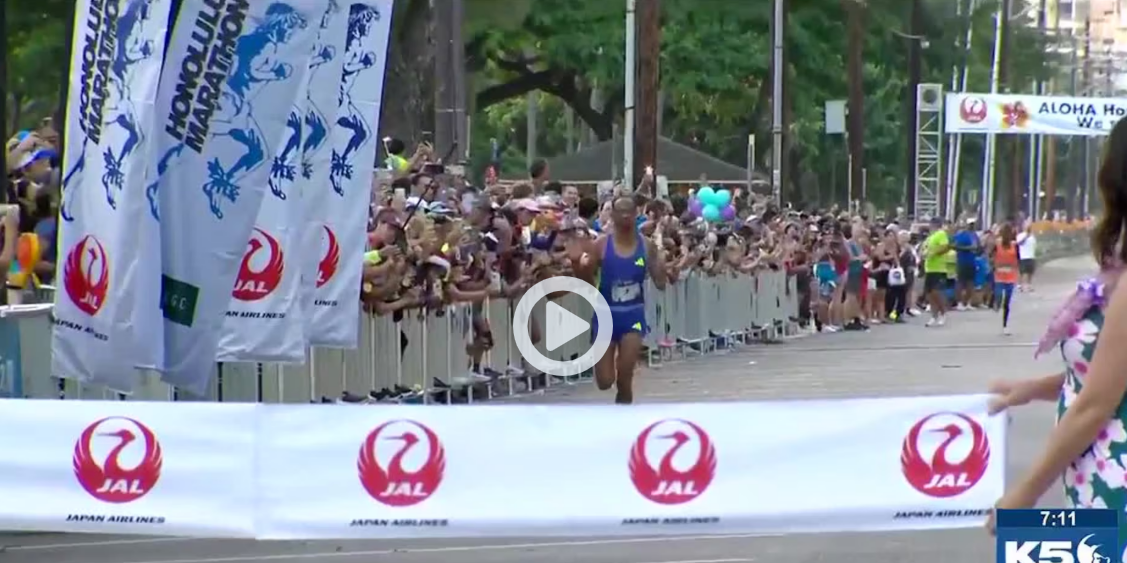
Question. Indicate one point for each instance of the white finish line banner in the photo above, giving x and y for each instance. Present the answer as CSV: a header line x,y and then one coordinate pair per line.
x,y
313,472
1016,114
128,468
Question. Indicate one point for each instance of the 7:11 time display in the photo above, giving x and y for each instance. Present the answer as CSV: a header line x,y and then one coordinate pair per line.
x,y
1062,518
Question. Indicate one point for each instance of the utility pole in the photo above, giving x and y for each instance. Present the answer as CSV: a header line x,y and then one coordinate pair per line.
x,y
778,72
1011,143
855,120
532,127
64,87
1037,152
960,75
648,21
4,88
449,79
911,123
631,83
989,161
461,96
1086,148
1072,185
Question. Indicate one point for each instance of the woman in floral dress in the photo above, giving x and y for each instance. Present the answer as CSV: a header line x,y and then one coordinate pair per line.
x,y
1088,448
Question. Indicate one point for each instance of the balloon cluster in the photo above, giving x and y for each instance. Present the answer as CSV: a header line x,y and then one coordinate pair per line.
x,y
713,205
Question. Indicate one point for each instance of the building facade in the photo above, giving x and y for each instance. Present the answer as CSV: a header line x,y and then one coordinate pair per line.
x,y
1092,34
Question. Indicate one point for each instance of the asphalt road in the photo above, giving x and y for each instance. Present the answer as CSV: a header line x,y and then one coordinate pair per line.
x,y
902,361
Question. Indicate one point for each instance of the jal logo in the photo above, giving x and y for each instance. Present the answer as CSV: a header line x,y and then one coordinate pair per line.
x,y
672,462
261,269
959,454
401,463
117,459
973,110
86,275
330,260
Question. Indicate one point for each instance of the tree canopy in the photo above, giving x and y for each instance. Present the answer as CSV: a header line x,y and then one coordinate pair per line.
x,y
715,75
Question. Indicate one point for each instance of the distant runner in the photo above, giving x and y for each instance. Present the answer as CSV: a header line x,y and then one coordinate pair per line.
x,y
1007,265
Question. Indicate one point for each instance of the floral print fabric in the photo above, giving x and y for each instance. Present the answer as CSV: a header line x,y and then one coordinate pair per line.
x,y
1098,478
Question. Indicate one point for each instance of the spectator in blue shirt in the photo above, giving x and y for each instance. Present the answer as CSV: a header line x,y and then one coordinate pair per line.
x,y
967,248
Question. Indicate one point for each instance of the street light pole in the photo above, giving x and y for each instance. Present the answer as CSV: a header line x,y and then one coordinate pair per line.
x,y
777,106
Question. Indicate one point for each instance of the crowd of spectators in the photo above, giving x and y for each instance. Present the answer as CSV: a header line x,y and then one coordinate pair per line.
x,y
27,258
436,238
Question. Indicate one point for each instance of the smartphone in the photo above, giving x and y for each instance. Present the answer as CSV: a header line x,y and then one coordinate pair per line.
x,y
433,168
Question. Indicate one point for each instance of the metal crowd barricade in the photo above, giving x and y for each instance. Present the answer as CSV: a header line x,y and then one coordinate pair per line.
x,y
418,349
429,351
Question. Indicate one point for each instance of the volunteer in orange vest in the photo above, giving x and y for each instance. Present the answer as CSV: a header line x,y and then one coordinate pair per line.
x,y
1007,261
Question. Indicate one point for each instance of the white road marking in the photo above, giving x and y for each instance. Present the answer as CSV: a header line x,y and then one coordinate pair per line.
x,y
472,548
103,543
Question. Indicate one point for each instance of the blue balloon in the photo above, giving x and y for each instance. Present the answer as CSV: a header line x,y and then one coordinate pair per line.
x,y
711,213
725,198
706,195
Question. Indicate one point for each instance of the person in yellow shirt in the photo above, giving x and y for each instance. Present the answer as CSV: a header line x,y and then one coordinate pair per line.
x,y
935,254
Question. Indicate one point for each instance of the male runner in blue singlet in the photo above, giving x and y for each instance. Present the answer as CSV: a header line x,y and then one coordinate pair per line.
x,y
622,259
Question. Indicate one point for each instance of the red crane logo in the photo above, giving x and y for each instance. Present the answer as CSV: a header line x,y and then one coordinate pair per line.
x,y
973,110
392,484
939,477
110,482
329,262
86,275
665,484
251,284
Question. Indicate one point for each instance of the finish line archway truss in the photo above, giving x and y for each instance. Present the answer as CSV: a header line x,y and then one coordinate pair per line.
x,y
996,114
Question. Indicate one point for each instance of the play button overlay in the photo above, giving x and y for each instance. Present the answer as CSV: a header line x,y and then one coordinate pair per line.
x,y
562,326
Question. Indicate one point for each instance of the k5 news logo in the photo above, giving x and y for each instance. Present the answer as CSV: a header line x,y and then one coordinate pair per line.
x,y
1058,536
1055,551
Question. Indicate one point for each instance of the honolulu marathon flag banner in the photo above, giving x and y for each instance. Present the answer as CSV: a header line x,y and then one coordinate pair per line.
x,y
100,335
1018,114
232,73
321,249
266,319
340,206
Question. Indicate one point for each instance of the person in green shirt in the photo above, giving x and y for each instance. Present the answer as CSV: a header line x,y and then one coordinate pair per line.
x,y
935,251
